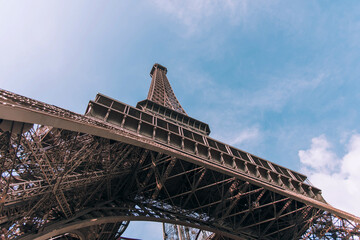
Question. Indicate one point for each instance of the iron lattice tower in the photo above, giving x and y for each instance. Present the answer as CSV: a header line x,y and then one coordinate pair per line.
x,y
70,176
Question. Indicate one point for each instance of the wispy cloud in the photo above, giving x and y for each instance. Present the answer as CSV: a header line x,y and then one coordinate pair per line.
x,y
279,91
193,12
239,116
273,96
338,177
197,15
245,136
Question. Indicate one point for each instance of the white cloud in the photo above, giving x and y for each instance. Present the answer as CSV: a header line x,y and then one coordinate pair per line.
x,y
239,135
273,96
191,12
319,156
338,178
279,91
196,15
247,135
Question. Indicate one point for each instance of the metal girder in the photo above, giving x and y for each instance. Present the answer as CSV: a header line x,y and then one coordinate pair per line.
x,y
44,167
27,110
231,202
160,90
146,163
330,226
115,211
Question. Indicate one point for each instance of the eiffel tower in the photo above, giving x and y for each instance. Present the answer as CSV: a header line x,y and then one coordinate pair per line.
x,y
71,176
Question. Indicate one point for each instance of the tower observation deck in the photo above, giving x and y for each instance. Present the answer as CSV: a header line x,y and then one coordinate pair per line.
x,y
72,176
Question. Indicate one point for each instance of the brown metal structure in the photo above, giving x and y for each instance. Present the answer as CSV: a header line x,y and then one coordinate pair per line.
x,y
70,176
160,90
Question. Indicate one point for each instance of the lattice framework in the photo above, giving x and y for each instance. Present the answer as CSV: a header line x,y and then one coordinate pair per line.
x,y
90,175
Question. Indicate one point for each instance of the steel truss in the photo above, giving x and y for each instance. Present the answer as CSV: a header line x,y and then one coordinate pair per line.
x,y
87,176
69,173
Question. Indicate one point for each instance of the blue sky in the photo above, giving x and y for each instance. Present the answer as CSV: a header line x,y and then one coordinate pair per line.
x,y
276,79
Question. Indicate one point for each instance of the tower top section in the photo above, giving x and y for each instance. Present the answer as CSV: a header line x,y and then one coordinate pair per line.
x,y
160,90
162,102
158,66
